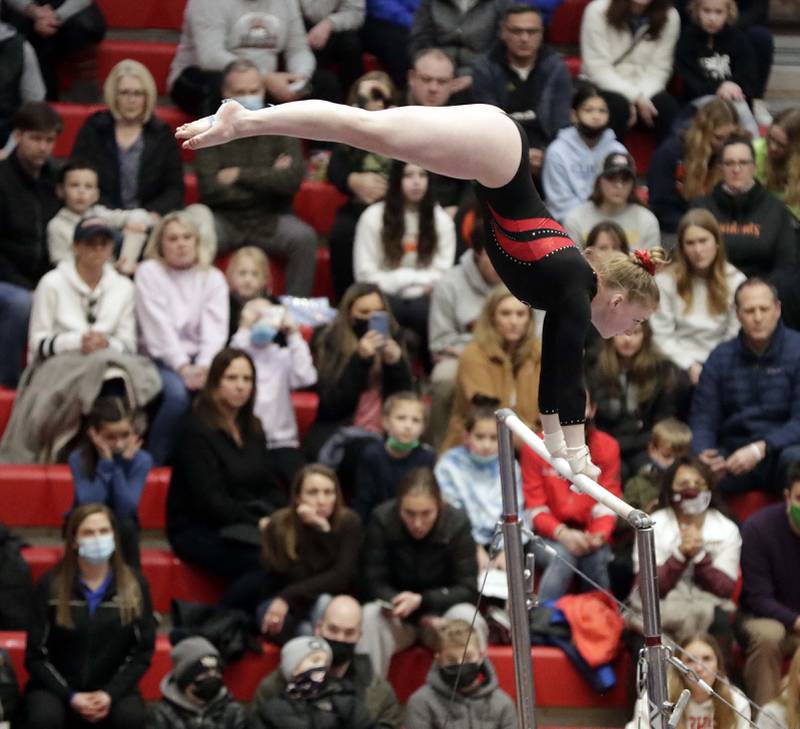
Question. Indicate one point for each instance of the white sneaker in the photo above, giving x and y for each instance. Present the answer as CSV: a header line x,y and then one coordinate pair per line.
x,y
580,461
761,113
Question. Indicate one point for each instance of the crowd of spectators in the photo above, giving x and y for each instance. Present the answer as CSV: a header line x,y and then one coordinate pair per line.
x,y
141,332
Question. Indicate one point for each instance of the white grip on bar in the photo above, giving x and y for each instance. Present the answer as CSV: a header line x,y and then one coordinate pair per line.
x,y
583,483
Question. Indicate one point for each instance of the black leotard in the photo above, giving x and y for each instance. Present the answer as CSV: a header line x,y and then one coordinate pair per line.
x,y
542,267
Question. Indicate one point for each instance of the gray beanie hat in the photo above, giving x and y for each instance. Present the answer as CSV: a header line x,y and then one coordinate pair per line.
x,y
191,657
464,611
293,653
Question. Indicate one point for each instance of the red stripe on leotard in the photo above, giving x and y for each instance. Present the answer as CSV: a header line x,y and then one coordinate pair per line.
x,y
531,250
526,224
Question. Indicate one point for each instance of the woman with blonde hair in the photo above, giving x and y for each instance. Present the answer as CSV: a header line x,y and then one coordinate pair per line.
x,y
91,634
701,654
684,166
138,162
783,712
182,308
634,386
502,362
530,251
696,312
778,159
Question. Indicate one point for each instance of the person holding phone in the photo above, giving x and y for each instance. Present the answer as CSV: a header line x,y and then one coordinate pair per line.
x,y
531,252
404,244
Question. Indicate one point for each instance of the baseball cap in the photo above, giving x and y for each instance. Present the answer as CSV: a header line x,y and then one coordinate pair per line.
x,y
88,228
617,162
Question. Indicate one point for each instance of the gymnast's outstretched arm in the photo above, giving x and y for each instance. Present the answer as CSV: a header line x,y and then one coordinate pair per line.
x,y
471,142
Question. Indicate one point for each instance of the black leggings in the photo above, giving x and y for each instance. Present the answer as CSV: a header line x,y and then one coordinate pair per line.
x,y
44,710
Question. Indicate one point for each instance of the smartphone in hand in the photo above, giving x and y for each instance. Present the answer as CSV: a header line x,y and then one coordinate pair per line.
x,y
379,322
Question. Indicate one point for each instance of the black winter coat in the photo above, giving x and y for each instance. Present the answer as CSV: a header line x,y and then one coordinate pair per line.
x,y
759,232
222,713
160,187
442,567
98,654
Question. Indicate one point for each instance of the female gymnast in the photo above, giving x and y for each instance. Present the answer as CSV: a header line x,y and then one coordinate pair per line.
x,y
530,251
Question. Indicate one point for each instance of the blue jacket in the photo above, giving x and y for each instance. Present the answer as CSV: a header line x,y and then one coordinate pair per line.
x,y
399,12
743,397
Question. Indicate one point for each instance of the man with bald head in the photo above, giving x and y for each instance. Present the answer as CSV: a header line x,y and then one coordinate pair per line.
x,y
340,625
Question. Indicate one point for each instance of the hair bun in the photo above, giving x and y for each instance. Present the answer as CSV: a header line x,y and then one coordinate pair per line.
x,y
651,260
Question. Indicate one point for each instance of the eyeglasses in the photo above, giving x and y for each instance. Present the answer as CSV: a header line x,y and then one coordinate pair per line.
x,y
730,164
132,93
519,32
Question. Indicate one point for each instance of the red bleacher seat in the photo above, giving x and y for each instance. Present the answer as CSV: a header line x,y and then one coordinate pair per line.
x,y
565,25
574,65
190,192
641,143
317,203
7,398
746,504
557,682
143,13
156,56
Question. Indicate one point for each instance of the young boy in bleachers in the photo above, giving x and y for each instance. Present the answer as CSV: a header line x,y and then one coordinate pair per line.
x,y
461,688
469,477
79,188
383,464
249,277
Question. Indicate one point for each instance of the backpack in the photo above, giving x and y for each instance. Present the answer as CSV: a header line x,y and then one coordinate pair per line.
x,y
16,584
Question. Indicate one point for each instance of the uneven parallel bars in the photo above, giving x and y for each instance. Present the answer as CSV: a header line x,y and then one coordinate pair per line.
x,y
655,653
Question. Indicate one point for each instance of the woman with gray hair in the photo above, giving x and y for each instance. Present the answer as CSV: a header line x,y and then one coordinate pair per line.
x,y
138,161
182,310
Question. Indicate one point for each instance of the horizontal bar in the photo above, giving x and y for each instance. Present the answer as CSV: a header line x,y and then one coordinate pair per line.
x,y
583,483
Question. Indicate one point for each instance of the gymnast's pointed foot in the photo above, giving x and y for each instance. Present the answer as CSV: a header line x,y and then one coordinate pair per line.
x,y
215,129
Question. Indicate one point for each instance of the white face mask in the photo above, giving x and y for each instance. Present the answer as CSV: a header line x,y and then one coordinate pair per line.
x,y
253,102
96,550
695,505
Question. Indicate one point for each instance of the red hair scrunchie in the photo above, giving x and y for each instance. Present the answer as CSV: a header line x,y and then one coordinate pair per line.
x,y
643,257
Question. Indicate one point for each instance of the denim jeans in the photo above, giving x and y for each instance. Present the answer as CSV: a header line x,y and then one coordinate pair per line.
x,y
169,418
15,311
558,576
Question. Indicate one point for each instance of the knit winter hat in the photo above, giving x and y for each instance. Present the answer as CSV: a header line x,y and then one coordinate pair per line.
x,y
191,657
464,611
293,653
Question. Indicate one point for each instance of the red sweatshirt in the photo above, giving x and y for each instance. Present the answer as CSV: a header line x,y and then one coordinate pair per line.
x,y
549,498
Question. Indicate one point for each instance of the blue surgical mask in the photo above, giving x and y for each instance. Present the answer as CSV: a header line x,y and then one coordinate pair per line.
x,y
262,334
253,102
480,460
96,550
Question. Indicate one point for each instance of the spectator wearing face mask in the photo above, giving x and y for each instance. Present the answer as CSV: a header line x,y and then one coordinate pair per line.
x,y
311,696
340,626
194,693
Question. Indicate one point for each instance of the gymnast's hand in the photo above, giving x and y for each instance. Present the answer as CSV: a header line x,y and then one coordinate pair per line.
x,y
212,130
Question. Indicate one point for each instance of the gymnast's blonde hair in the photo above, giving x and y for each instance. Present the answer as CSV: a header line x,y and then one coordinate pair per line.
x,y
629,273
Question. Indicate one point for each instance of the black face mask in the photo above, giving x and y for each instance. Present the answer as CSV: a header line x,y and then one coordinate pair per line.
x,y
207,688
360,327
307,684
342,652
465,674
590,133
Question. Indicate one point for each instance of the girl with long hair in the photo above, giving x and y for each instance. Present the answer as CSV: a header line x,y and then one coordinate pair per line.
x,y
404,244
222,486
627,50
416,545
696,312
607,237
357,368
778,158
502,361
697,552
685,167
702,654
182,308
530,251
91,634
111,468
614,199
310,550
784,711
634,386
